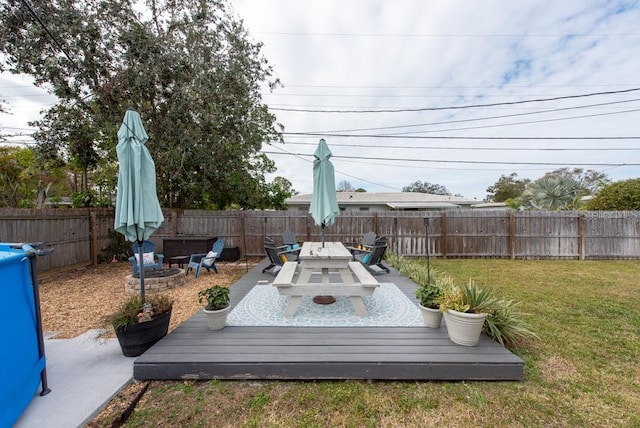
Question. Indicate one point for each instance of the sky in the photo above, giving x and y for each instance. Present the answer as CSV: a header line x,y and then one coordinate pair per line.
x,y
449,92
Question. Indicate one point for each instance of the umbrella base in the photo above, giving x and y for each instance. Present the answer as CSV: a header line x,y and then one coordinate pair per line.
x,y
324,300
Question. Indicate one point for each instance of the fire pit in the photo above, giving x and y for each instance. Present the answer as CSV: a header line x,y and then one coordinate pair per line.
x,y
155,280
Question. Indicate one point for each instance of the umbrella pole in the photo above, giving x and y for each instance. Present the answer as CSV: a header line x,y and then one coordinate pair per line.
x,y
323,234
141,263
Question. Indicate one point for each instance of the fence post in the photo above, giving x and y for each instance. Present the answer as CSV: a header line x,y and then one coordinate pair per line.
x,y
443,233
581,237
376,229
512,235
243,236
174,223
93,232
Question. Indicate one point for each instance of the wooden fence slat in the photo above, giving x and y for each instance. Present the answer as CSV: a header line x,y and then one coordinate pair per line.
x,y
80,236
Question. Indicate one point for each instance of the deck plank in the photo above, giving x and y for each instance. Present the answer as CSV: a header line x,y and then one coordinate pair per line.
x,y
192,351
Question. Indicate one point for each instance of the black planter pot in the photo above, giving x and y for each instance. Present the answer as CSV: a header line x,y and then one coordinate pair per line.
x,y
135,339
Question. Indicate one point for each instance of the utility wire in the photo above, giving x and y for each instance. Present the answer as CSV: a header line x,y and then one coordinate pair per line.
x,y
369,146
465,161
404,134
487,118
468,106
303,157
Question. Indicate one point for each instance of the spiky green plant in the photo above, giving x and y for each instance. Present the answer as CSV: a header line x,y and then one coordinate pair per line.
x,y
507,326
504,323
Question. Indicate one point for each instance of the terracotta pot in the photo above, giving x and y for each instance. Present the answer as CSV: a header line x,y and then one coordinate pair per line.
x,y
135,339
464,328
432,317
216,319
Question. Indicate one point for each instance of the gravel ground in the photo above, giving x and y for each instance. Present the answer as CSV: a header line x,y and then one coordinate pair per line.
x,y
76,301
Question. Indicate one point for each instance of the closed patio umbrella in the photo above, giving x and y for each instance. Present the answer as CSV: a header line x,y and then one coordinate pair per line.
x,y
324,204
138,212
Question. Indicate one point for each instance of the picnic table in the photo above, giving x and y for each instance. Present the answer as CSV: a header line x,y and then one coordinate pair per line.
x,y
295,278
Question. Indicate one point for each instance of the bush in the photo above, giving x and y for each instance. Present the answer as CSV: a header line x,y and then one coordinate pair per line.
x,y
618,196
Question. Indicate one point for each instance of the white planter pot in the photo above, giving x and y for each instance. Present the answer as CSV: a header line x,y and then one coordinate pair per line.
x,y
432,317
216,319
463,328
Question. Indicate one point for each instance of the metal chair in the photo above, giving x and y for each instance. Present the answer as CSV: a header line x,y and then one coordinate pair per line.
x,y
206,260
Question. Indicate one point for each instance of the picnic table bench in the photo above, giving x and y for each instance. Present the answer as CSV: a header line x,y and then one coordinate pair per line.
x,y
293,280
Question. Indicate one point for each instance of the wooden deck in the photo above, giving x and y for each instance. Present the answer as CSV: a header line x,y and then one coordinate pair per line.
x,y
192,351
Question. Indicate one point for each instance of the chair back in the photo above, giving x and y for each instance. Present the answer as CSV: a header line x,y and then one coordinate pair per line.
x,y
376,255
272,253
381,242
147,247
218,246
289,237
369,238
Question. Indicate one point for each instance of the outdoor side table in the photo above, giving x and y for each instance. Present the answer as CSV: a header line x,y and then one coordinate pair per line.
x,y
179,260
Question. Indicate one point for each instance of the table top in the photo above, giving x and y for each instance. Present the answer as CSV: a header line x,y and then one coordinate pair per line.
x,y
331,250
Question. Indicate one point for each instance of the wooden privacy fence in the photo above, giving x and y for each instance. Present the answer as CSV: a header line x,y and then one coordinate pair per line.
x,y
80,236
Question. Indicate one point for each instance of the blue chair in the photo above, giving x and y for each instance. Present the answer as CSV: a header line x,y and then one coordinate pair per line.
x,y
150,260
206,260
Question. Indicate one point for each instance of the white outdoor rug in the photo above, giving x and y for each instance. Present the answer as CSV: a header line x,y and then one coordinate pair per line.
x,y
387,307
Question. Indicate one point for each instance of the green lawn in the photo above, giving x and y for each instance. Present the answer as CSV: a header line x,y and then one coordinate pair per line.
x,y
584,370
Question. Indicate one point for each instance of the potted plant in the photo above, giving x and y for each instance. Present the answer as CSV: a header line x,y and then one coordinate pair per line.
x,y
217,307
428,294
465,310
139,323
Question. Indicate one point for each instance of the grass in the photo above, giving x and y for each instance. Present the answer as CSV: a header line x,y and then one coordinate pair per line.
x,y
582,371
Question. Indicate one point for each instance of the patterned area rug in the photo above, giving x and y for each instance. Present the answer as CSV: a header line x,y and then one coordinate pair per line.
x,y
387,307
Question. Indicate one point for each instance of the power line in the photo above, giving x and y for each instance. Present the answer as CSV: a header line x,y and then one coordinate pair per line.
x,y
466,161
403,134
369,146
286,152
452,87
505,103
489,117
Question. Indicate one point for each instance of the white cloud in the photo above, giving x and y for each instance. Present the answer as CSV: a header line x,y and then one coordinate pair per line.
x,y
373,54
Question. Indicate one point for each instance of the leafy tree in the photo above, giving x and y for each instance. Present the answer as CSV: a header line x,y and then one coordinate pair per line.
x,y
420,187
187,67
279,190
18,177
591,181
507,187
361,190
66,136
620,196
548,193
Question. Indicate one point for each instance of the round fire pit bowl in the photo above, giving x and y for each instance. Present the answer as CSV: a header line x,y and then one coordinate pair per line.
x,y
155,280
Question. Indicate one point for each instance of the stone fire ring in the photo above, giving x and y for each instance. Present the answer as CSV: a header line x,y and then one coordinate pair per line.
x,y
156,280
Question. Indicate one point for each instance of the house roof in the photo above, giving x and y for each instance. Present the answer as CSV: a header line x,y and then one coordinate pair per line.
x,y
394,200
